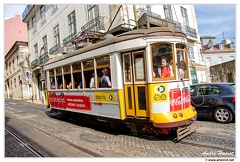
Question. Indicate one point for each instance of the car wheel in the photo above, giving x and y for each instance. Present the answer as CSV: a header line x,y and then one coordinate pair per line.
x,y
223,115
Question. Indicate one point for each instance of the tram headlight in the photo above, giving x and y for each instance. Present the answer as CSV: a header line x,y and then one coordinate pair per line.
x,y
180,114
175,115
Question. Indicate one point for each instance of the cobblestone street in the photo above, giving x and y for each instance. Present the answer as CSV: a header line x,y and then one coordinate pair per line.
x,y
111,144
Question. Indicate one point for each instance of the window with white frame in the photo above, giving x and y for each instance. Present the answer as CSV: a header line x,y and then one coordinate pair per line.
x,y
44,39
184,16
36,50
56,35
92,12
208,61
168,12
42,11
191,53
15,82
220,60
72,23
34,24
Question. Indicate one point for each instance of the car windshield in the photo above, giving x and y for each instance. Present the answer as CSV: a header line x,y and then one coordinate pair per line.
x,y
233,87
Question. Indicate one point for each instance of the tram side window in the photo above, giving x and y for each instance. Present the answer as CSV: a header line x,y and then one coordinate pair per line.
x,y
88,68
103,72
181,61
52,79
162,55
67,77
77,76
59,84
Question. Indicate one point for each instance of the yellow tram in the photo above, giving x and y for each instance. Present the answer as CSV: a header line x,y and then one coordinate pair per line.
x,y
149,81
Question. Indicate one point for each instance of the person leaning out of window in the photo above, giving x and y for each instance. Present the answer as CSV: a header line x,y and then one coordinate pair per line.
x,y
164,71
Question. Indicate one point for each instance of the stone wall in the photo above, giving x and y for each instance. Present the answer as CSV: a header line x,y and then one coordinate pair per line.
x,y
224,72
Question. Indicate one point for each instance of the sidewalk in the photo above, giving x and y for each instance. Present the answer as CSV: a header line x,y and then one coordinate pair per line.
x,y
28,100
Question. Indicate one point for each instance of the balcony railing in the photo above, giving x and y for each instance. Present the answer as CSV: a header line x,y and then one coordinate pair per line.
x,y
96,24
34,63
191,32
54,49
69,38
43,58
26,11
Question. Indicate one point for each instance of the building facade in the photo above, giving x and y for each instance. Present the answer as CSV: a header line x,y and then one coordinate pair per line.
x,y
17,72
52,29
16,52
217,54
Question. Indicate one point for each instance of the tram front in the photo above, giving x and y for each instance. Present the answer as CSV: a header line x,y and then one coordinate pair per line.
x,y
169,88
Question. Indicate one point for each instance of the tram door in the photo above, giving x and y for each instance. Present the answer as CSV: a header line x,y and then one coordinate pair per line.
x,y
135,85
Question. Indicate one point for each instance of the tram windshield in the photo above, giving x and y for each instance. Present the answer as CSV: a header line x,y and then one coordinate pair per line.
x,y
162,55
165,65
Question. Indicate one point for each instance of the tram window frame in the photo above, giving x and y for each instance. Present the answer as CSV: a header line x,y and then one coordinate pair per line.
x,y
182,61
77,74
127,72
52,78
100,68
170,60
59,77
67,75
137,68
87,72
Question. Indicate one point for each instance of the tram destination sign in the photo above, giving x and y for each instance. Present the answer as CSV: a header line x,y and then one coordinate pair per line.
x,y
148,20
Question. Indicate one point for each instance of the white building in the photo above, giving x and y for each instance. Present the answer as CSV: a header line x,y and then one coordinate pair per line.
x,y
17,71
52,28
216,54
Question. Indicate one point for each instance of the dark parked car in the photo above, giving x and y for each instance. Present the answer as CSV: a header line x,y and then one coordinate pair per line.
x,y
214,100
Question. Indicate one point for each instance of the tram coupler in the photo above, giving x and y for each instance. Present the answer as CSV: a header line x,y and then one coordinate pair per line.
x,y
182,132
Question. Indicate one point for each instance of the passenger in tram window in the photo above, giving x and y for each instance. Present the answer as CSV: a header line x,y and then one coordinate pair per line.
x,y
156,66
60,86
80,83
181,69
53,85
105,80
92,81
69,86
165,71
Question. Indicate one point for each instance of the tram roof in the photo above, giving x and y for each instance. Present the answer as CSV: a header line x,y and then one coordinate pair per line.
x,y
153,31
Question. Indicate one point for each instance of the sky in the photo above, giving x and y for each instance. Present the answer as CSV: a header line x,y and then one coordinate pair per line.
x,y
218,20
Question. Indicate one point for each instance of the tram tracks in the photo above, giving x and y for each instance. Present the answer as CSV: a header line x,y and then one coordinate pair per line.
x,y
38,153
28,146
225,144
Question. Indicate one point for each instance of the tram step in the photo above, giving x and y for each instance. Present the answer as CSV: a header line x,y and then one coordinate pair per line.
x,y
185,131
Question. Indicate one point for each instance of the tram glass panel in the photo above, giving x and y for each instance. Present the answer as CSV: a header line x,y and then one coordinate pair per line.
x,y
88,67
52,79
182,65
140,76
127,68
77,75
59,84
162,60
102,63
67,77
